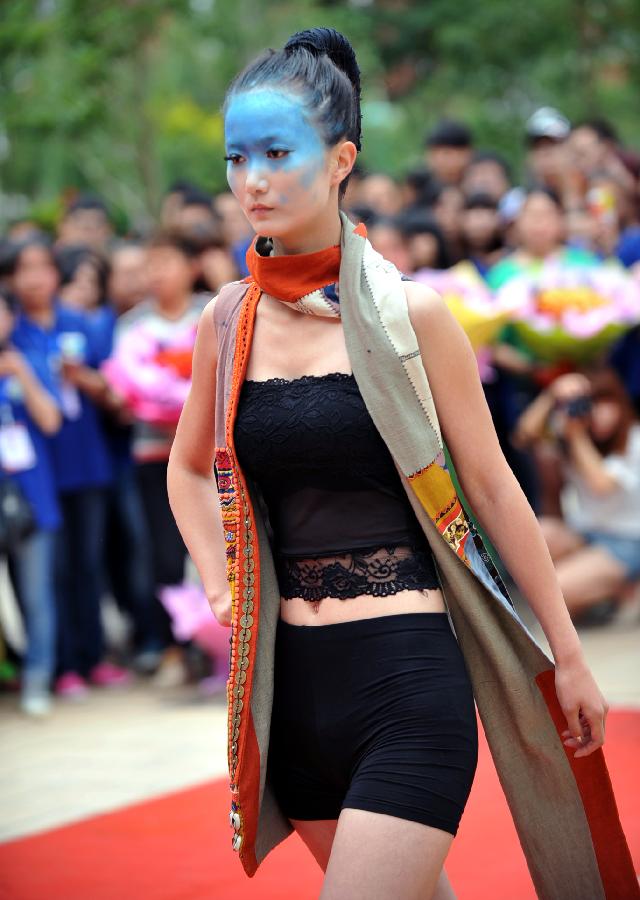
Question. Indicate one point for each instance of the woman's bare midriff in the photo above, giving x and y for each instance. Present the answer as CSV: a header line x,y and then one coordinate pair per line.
x,y
298,611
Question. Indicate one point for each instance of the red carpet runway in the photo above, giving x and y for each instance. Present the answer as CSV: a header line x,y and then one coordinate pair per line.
x,y
178,847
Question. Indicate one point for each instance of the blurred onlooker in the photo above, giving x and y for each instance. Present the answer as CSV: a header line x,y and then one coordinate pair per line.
x,y
86,221
540,234
387,238
420,188
149,363
127,551
235,227
448,151
29,412
546,134
172,202
236,231
81,465
352,194
424,240
84,276
381,194
128,282
22,229
596,544
202,225
447,211
196,214
192,213
482,232
594,148
487,173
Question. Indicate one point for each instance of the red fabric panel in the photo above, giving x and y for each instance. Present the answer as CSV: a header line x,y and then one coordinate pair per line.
x,y
250,775
592,778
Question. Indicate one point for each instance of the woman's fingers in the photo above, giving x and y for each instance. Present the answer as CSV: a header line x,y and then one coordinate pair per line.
x,y
574,723
595,733
590,736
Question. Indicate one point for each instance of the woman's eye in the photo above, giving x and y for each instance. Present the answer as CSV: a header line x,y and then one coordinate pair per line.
x,y
277,154
234,158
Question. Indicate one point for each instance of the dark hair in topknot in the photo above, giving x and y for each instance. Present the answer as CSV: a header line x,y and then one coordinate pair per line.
x,y
319,64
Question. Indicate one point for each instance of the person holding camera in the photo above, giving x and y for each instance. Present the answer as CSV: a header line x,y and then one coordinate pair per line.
x,y
596,544
29,511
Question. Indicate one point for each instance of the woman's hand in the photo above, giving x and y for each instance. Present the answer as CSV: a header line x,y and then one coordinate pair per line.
x,y
220,604
583,705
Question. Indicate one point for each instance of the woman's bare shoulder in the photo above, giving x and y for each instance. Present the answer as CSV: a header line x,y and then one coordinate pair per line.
x,y
424,303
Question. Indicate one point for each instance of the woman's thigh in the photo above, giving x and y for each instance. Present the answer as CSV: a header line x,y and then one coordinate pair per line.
x,y
380,857
319,838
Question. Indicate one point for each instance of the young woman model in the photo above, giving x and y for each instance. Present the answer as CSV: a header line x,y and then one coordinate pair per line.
x,y
373,743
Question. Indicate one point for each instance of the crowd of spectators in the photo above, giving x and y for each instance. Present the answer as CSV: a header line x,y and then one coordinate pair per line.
x,y
96,332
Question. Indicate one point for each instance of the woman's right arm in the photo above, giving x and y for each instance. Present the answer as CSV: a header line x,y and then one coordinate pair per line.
x,y
190,479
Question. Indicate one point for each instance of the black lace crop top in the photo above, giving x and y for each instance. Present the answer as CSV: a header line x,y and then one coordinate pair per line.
x,y
342,523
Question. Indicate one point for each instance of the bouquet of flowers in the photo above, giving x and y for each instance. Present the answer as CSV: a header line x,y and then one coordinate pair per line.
x,y
470,300
152,377
572,312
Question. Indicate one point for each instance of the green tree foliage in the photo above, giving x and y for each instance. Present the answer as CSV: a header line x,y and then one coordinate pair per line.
x,y
123,97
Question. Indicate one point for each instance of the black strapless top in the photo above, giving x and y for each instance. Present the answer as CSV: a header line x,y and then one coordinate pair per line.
x,y
341,519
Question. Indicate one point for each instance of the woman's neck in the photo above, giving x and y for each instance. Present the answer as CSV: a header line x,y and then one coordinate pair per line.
x,y
325,232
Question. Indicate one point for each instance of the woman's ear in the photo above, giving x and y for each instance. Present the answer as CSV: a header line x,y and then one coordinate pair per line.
x,y
343,157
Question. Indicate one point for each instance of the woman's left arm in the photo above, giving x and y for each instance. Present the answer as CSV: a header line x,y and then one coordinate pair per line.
x,y
501,507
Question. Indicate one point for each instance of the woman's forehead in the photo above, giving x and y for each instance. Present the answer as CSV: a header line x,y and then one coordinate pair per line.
x,y
265,115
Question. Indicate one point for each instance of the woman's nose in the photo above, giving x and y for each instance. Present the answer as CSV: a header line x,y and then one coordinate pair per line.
x,y
256,179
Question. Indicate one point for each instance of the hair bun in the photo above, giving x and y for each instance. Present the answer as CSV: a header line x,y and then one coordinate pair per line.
x,y
334,45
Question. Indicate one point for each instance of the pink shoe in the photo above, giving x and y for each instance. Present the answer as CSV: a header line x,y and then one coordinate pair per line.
x,y
71,686
106,675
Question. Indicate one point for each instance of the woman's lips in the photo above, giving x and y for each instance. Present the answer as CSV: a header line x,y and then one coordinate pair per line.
x,y
259,207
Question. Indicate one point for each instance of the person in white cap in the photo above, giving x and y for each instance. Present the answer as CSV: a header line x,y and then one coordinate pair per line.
x,y
546,134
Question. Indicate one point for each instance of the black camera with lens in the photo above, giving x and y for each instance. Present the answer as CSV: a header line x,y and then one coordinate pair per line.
x,y
578,407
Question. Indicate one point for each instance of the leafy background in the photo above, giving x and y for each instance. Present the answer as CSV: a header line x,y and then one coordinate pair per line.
x,y
123,97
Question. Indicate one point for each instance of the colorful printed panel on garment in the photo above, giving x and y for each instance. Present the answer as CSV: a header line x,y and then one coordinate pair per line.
x,y
434,488
229,511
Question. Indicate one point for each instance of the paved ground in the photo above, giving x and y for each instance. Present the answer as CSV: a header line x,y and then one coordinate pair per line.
x,y
119,747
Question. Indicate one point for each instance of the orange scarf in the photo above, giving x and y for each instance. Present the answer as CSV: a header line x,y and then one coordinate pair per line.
x,y
306,281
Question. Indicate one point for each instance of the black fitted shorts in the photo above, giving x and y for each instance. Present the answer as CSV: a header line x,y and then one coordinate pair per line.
x,y
375,714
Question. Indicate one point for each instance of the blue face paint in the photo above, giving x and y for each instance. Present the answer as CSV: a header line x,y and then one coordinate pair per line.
x,y
267,132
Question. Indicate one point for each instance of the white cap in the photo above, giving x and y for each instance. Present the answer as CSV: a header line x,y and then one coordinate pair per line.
x,y
547,122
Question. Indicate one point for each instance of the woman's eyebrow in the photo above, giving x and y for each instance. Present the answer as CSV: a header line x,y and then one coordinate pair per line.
x,y
260,141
